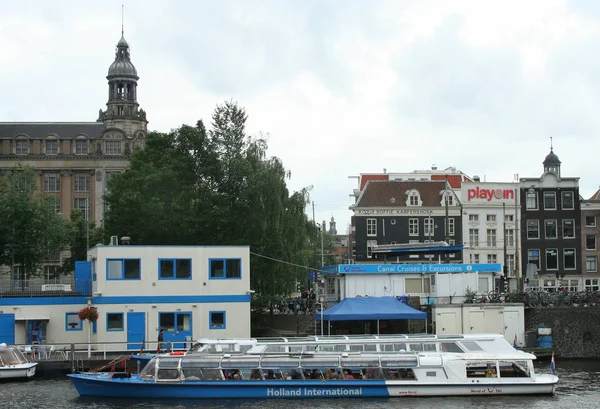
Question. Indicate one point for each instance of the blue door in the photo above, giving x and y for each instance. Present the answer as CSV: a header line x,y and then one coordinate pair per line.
x,y
177,327
7,328
136,329
83,277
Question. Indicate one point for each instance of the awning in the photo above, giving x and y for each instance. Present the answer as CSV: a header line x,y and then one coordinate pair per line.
x,y
33,317
371,308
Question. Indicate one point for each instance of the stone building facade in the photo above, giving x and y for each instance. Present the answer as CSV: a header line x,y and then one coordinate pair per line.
x,y
590,250
74,160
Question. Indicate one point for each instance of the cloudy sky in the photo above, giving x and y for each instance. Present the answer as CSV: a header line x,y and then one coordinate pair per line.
x,y
341,87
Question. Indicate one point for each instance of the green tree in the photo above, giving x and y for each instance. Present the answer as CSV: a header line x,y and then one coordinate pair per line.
x,y
78,237
216,187
30,228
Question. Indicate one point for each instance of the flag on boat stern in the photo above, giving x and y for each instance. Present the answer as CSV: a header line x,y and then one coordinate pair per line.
x,y
552,365
515,343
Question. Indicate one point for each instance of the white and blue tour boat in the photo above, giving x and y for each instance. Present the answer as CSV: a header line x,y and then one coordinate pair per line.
x,y
367,366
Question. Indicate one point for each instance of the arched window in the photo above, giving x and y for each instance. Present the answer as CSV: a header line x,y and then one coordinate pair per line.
x,y
82,145
51,145
21,145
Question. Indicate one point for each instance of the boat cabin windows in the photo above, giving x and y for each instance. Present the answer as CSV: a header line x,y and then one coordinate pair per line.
x,y
493,369
422,347
472,346
514,369
10,356
450,347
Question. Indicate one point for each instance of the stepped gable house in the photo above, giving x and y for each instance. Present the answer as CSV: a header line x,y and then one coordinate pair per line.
x,y
400,212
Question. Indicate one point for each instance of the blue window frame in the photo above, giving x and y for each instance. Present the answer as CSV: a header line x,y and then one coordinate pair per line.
x,y
217,320
115,321
174,269
225,268
123,269
72,322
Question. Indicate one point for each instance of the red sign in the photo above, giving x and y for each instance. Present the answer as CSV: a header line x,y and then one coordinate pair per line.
x,y
489,194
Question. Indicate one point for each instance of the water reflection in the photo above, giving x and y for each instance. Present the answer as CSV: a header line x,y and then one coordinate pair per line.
x,y
579,388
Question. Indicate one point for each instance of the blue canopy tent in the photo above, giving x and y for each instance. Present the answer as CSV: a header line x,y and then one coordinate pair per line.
x,y
369,309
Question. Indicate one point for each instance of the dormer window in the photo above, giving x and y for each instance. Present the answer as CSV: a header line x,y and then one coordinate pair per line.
x,y
81,146
112,147
51,146
447,196
22,146
414,199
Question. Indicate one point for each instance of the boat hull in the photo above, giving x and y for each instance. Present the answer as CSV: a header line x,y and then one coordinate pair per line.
x,y
18,371
103,386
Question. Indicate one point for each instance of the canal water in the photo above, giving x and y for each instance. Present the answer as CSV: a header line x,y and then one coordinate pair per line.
x,y
579,388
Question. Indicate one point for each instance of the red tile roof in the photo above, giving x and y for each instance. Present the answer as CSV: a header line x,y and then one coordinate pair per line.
x,y
394,193
595,196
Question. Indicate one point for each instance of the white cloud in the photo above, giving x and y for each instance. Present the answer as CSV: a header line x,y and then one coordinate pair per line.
x,y
342,87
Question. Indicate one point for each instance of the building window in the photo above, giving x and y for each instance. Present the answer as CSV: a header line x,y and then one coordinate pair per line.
x,y
52,182
371,227
73,322
451,242
568,226
492,258
532,200
490,218
22,146
549,200
112,147
533,257
413,227
370,245
114,321
449,199
81,147
568,200
591,284
178,269
590,221
476,258
82,182
123,269
551,259
216,320
473,217
590,242
51,146
428,227
413,198
225,269
533,229
483,285
491,237
509,218
83,204
591,264
569,262
474,237
510,237
451,226
510,264
551,229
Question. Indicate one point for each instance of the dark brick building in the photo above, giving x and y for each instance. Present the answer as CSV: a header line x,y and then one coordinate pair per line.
x,y
399,212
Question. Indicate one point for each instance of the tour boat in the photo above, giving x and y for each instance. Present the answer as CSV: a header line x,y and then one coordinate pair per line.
x,y
13,363
464,365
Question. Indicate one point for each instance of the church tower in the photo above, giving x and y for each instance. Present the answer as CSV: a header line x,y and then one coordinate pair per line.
x,y
122,109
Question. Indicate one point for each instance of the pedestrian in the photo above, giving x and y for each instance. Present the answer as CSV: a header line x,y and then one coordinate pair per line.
x,y
160,340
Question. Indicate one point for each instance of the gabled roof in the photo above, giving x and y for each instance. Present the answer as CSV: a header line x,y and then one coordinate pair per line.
x,y
39,130
595,196
394,193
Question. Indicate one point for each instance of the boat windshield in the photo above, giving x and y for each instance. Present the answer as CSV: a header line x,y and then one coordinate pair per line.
x,y
149,370
11,356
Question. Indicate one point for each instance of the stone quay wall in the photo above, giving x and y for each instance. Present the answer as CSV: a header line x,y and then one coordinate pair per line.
x,y
575,330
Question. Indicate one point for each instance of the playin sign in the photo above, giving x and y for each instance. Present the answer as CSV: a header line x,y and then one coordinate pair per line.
x,y
489,194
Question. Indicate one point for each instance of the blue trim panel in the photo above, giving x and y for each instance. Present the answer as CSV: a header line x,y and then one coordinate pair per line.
x,y
44,301
165,299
